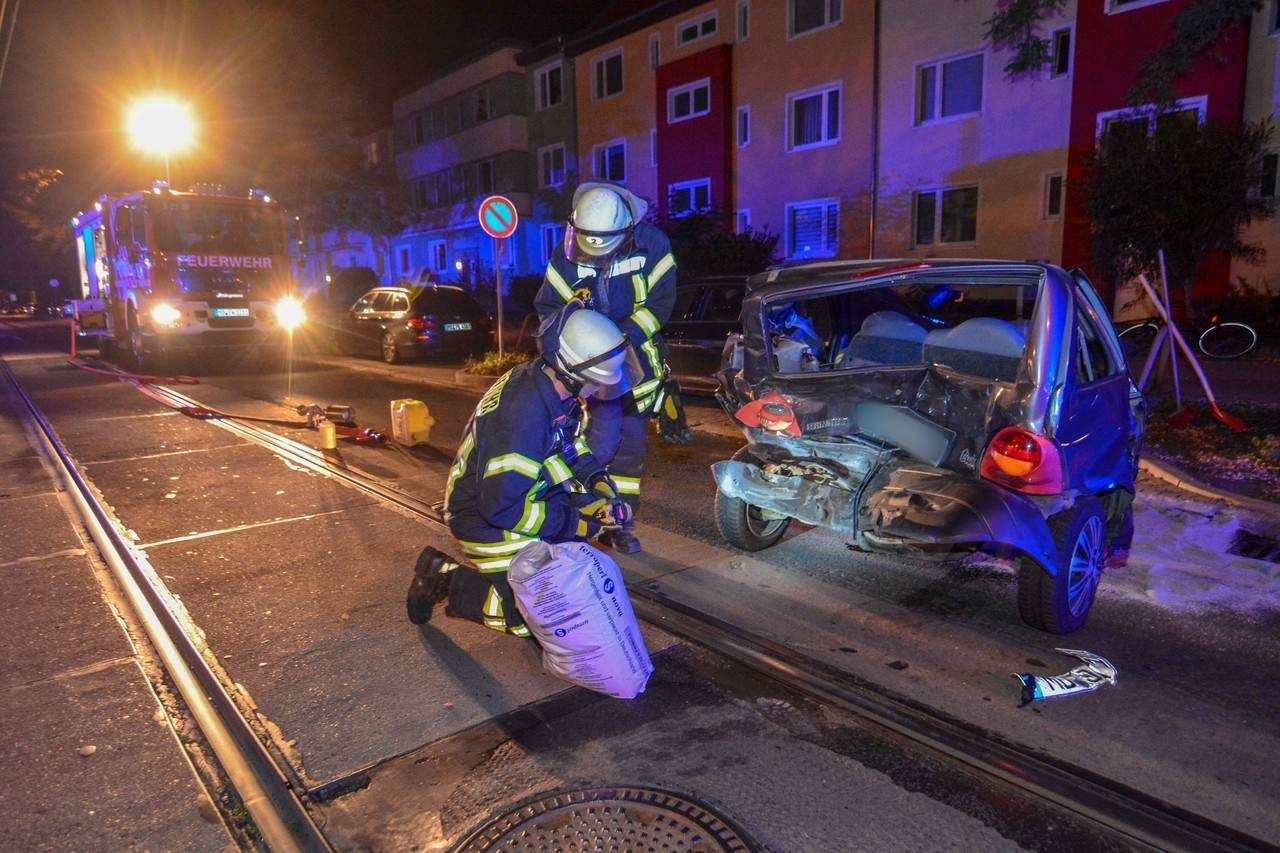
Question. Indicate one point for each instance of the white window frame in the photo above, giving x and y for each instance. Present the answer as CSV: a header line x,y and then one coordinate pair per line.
x,y
543,173
653,147
742,220
698,21
689,88
831,21
543,231
597,61
812,202
1113,9
938,63
1199,103
1070,29
595,159
743,111
937,215
655,51
677,186
433,249
1045,178
821,92
742,21
539,74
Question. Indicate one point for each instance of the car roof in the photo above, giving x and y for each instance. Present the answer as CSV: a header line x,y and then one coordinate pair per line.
x,y
714,281
834,272
408,291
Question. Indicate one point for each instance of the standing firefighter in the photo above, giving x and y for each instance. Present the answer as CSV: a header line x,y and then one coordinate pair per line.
x,y
623,268
524,473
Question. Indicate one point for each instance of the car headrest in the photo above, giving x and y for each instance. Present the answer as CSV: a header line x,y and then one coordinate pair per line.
x,y
981,334
891,324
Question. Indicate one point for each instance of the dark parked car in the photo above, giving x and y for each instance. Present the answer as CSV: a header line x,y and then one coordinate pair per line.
x,y
918,407
399,323
706,312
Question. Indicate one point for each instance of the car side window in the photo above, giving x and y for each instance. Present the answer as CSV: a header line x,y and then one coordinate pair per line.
x,y
399,302
382,302
364,303
686,302
722,304
1093,361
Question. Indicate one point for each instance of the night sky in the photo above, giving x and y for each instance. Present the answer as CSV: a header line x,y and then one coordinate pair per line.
x,y
260,74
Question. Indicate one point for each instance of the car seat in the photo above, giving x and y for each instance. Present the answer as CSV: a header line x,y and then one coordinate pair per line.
x,y
982,346
886,337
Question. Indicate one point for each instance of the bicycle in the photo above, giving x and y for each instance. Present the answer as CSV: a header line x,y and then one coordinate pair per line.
x,y
1220,340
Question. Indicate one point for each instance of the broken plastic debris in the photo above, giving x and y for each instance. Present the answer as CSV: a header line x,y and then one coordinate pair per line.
x,y
1089,676
87,750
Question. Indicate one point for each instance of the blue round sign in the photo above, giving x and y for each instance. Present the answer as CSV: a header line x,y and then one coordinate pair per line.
x,y
498,217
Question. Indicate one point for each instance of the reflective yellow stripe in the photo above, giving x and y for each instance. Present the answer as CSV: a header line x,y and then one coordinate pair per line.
x,y
627,485
640,288
580,445
534,514
558,282
487,549
650,350
660,269
460,464
492,603
512,462
646,388
492,564
520,631
558,470
645,319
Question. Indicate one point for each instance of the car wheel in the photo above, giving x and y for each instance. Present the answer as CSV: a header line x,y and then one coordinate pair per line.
x,y
1060,603
390,352
745,526
140,360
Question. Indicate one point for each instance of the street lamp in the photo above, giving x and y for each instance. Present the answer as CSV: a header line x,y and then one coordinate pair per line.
x,y
161,125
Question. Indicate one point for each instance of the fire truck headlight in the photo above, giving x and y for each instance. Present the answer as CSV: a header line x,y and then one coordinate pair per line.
x,y
165,314
290,314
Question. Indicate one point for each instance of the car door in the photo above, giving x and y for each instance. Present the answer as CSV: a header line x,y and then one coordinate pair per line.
x,y
714,314
348,329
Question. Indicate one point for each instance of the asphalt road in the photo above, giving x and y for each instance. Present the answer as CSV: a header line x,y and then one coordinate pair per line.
x,y
296,583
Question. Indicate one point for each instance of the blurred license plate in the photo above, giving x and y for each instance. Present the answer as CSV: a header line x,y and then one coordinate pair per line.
x,y
457,327
231,312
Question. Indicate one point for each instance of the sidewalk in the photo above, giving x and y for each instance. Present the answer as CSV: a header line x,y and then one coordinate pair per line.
x,y
90,758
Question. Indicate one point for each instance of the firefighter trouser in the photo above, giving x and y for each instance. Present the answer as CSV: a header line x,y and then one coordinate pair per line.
x,y
616,439
480,592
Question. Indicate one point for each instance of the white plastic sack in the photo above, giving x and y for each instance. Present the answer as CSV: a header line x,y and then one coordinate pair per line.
x,y
573,599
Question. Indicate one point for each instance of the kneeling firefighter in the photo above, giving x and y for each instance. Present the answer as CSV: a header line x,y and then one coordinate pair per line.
x,y
524,471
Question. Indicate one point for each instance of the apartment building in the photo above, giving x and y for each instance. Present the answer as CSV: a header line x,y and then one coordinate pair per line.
x,y
1262,101
972,161
458,138
553,143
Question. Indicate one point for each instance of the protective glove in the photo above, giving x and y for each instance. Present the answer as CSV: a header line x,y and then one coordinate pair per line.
x,y
603,487
603,513
588,528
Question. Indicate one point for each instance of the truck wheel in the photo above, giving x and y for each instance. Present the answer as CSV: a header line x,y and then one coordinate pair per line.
x,y
141,361
390,352
743,525
1060,603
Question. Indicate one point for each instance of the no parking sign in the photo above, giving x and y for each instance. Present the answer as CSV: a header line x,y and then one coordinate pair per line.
x,y
498,218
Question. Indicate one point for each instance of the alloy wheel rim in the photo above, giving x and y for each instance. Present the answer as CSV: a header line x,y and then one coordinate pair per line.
x,y
760,526
1086,566
388,349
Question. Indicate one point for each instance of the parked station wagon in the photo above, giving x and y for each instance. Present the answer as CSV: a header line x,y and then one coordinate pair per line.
x,y
925,407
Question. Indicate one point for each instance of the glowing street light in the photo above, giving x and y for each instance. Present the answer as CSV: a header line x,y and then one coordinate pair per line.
x,y
161,125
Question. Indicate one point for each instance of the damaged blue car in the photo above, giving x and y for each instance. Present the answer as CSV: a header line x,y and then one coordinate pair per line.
x,y
932,406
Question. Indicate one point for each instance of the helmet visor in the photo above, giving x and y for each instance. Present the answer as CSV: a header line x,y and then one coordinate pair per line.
x,y
609,375
595,248
629,375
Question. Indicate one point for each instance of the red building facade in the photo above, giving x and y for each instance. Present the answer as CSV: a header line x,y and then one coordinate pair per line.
x,y
693,117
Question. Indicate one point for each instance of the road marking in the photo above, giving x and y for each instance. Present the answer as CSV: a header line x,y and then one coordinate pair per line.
x,y
75,672
7,498
133,417
96,462
252,525
65,552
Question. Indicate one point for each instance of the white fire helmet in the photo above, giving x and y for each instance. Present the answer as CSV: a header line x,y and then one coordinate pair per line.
x,y
593,357
600,226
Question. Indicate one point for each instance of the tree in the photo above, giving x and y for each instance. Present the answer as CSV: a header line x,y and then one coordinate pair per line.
x,y
1188,188
41,203
705,244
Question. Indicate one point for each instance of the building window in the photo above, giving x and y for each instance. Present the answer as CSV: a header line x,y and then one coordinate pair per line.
x,y
607,71
1053,196
689,101
813,118
552,240
436,252
697,28
484,106
946,216
610,161
688,197
1114,6
744,20
419,129
653,146
420,193
1060,53
372,155
742,220
807,16
439,189
485,177
550,85
655,51
744,126
948,89
551,165
1146,119
813,228
402,259
1270,162
457,183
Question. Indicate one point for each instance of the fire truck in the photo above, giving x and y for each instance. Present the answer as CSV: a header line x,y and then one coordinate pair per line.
x,y
165,272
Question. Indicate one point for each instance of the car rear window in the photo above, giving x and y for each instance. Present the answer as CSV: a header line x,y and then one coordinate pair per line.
x,y
447,301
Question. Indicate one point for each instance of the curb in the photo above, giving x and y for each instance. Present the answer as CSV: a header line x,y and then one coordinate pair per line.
x,y
472,381
1180,479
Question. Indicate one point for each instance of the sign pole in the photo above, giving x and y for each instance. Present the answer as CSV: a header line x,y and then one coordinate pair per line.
x,y
497,268
498,218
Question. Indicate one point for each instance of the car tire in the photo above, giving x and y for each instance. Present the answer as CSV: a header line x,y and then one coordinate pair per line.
x,y
741,524
1060,603
390,351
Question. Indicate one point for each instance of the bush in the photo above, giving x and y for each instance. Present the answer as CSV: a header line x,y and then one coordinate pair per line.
x,y
491,364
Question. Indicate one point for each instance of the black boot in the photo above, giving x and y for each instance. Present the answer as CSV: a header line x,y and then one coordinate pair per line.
x,y
621,540
430,585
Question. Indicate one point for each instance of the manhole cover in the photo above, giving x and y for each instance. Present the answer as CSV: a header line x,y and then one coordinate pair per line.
x,y
625,818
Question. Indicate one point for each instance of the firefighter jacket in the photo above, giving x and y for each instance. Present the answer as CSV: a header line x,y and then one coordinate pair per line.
x,y
638,295
512,481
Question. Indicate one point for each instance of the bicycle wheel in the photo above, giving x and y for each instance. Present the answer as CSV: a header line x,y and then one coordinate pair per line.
x,y
1228,340
1137,340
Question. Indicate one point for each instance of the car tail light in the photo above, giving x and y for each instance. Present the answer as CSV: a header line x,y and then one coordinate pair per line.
x,y
1023,461
415,323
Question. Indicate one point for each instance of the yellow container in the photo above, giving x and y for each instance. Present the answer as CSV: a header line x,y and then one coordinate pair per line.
x,y
411,422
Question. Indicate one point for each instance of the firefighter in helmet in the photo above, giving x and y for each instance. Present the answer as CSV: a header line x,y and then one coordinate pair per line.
x,y
622,267
524,471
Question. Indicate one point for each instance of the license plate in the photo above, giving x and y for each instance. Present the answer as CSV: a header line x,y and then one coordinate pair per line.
x,y
457,327
231,312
